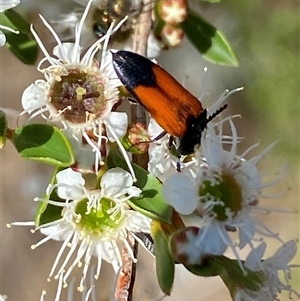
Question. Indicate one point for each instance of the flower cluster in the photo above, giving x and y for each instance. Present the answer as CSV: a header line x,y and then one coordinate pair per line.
x,y
193,205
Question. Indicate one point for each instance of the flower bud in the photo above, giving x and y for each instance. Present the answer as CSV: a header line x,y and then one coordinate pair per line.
x,y
173,11
171,35
136,139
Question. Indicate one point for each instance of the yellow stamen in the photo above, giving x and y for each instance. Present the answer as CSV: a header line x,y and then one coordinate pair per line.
x,y
80,92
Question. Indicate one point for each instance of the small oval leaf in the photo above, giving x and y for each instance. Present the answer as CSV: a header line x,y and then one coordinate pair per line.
x,y
23,46
14,20
213,44
3,129
165,265
46,212
44,143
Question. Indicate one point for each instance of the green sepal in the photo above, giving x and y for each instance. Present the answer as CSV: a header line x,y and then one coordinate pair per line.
x,y
44,143
46,212
22,45
133,148
3,129
151,202
212,43
165,265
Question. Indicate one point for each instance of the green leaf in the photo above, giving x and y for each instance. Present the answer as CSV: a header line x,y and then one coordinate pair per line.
x,y
44,143
230,272
46,212
3,128
12,19
234,277
209,268
165,265
151,203
23,46
211,42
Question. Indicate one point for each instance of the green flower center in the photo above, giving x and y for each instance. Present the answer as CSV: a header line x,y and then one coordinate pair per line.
x,y
79,95
100,220
227,191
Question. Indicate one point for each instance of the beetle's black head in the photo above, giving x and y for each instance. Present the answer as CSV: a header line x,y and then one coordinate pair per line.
x,y
192,136
194,129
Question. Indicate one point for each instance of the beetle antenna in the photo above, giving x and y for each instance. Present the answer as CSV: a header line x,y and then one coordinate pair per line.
x,y
215,114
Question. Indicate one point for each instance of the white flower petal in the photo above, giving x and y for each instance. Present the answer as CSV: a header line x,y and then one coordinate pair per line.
x,y
118,121
74,180
115,181
85,158
109,70
212,151
134,191
154,129
55,232
7,4
33,98
252,261
138,222
64,50
250,174
180,192
160,161
153,46
211,241
2,38
283,255
246,230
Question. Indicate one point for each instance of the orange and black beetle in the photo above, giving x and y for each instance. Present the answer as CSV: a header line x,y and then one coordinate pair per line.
x,y
174,108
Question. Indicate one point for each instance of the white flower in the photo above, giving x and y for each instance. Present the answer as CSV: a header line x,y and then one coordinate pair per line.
x,y
78,92
221,192
5,5
93,221
2,298
268,270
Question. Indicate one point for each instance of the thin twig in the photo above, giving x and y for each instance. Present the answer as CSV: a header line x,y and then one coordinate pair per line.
x,y
140,42
127,275
126,278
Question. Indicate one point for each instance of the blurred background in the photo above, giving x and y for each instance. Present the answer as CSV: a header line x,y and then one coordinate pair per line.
x,y
265,36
